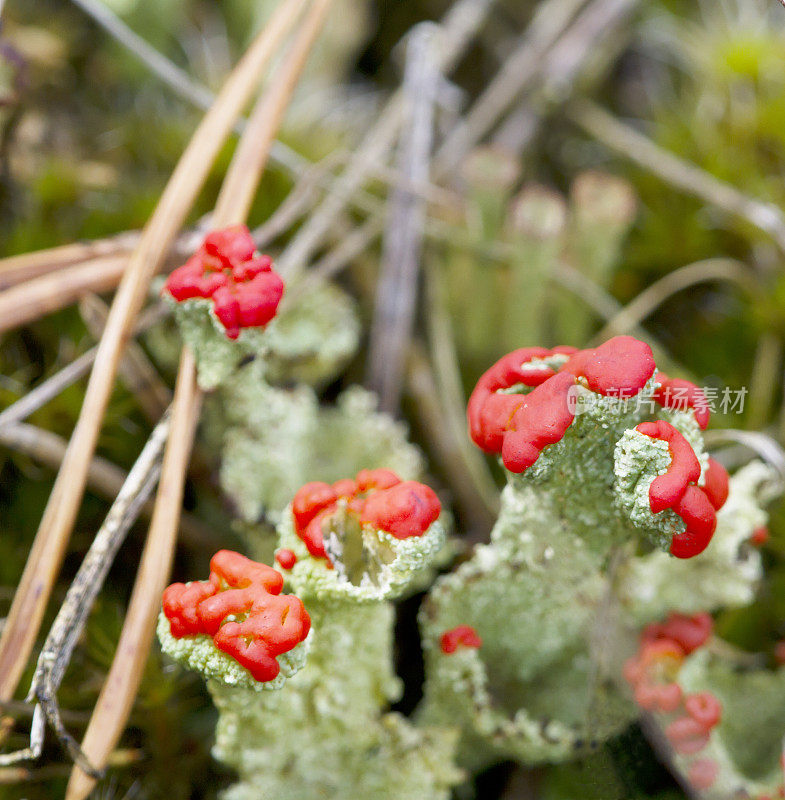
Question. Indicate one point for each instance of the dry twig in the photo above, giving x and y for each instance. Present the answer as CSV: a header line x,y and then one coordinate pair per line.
x,y
396,295
518,71
61,380
27,302
18,269
135,368
71,619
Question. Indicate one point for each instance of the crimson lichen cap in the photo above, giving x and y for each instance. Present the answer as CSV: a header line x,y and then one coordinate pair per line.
x,y
223,297
365,538
657,482
244,289
236,627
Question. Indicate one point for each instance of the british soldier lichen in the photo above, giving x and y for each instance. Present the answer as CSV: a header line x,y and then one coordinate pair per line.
x,y
594,479
239,612
613,518
327,733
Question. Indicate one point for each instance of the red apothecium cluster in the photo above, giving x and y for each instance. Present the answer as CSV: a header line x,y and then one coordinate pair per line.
x,y
265,623
243,287
377,497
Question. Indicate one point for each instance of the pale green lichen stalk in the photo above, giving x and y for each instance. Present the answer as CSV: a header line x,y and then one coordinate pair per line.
x,y
277,439
308,341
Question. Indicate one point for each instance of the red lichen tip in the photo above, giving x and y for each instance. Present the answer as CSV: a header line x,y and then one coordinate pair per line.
x,y
760,536
461,636
687,736
689,631
653,671
265,623
703,773
286,558
704,708
678,394
244,289
520,426
677,490
716,485
376,497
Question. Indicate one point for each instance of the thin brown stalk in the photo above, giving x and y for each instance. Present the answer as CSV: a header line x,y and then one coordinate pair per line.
x,y
118,693
234,201
18,269
483,503
423,391
135,369
24,619
32,300
397,288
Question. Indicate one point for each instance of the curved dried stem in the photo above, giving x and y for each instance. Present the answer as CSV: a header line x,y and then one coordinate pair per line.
x,y
711,269
69,374
29,301
18,269
136,370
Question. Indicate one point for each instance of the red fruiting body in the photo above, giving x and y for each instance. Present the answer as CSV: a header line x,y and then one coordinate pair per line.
x,y
715,486
245,290
704,708
689,631
286,558
404,510
687,735
462,636
700,520
760,536
676,490
703,773
490,413
669,697
520,426
779,655
681,395
266,622
618,368
666,490
377,497
541,419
